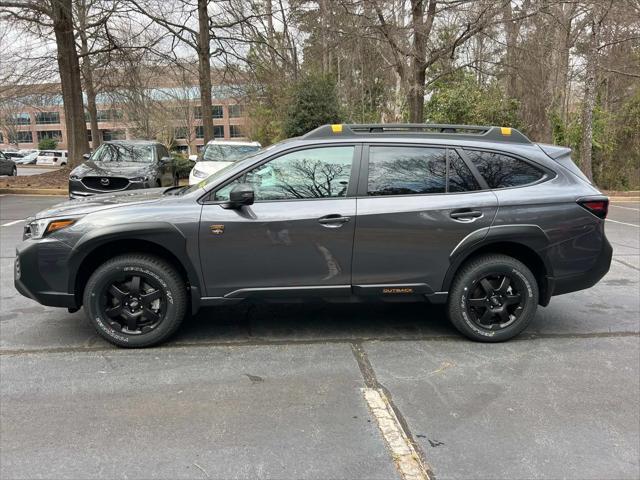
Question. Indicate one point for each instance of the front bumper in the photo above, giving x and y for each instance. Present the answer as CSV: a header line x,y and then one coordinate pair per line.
x,y
77,189
40,272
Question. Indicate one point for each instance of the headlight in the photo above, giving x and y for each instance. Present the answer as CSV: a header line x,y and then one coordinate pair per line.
x,y
39,228
74,177
139,179
199,173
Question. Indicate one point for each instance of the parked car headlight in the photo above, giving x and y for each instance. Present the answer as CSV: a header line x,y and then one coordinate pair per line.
x,y
39,228
199,173
74,177
139,179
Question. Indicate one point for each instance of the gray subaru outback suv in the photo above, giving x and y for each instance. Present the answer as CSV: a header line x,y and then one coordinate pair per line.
x,y
479,218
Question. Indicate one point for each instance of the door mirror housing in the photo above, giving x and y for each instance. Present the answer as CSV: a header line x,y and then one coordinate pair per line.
x,y
240,196
193,158
86,156
165,160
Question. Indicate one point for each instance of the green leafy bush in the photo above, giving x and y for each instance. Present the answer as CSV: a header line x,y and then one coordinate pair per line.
x,y
48,144
183,164
314,102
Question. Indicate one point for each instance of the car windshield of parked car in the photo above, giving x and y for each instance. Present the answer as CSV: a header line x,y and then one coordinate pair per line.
x,y
111,152
226,153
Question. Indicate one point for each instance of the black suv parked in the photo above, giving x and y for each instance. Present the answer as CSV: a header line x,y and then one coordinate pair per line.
x,y
123,165
478,217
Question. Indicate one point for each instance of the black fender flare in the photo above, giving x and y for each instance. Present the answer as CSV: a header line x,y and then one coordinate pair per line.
x,y
530,236
163,234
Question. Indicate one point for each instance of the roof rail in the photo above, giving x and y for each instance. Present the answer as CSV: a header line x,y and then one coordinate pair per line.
x,y
444,131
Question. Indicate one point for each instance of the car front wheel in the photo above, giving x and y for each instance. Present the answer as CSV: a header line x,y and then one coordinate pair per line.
x,y
135,300
493,298
14,172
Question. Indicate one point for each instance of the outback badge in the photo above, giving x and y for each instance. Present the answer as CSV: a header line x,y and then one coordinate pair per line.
x,y
217,229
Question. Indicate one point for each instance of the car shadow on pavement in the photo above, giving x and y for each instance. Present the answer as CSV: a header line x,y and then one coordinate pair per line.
x,y
315,322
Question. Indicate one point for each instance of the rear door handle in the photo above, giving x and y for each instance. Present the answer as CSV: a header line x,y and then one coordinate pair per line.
x,y
333,221
465,215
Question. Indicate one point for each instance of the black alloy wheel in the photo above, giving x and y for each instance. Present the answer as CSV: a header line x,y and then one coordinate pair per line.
x,y
494,301
134,304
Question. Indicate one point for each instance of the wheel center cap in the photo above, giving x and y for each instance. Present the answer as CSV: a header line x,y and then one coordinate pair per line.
x,y
495,300
134,303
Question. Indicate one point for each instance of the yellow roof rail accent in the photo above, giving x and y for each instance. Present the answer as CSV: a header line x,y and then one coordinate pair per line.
x,y
336,128
505,130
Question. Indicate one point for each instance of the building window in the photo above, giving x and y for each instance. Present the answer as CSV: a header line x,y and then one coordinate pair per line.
x,y
197,113
199,131
19,119
1,138
236,111
47,118
108,115
181,133
51,134
108,135
236,131
89,135
21,137
216,111
218,131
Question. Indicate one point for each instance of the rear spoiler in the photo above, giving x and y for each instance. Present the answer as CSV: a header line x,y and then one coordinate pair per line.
x,y
562,155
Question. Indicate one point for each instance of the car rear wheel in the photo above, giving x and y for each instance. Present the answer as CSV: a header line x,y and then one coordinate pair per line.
x,y
135,300
493,298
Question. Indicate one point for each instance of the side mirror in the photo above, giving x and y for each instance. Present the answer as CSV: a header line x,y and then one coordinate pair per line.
x,y
241,195
193,158
165,160
86,156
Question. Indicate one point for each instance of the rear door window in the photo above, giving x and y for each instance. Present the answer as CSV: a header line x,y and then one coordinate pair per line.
x,y
417,170
406,170
503,171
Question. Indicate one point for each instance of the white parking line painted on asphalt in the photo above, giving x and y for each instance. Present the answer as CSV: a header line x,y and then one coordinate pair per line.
x,y
626,208
11,223
404,455
623,223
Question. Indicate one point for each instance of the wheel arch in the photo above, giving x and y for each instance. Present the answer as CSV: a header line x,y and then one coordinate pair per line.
x,y
161,239
526,243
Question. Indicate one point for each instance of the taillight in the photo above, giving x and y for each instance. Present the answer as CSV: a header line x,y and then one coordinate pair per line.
x,y
599,207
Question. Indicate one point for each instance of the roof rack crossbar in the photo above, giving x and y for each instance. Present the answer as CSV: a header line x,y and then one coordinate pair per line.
x,y
435,130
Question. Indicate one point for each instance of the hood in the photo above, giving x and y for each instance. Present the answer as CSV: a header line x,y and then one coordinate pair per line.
x,y
111,169
210,167
83,206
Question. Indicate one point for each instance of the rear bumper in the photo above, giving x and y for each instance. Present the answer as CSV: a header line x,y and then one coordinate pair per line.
x,y
39,271
583,280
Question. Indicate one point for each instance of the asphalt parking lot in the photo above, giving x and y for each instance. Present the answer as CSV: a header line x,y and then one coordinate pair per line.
x,y
278,391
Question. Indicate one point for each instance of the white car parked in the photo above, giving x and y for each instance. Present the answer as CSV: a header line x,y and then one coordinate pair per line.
x,y
217,154
53,157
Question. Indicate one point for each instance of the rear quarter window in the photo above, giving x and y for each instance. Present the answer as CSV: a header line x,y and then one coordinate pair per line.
x,y
503,171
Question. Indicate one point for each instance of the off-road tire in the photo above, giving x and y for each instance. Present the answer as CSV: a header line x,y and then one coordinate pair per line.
x,y
171,285
468,276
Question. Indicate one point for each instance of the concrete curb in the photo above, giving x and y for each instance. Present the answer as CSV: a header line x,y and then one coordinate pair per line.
x,y
34,191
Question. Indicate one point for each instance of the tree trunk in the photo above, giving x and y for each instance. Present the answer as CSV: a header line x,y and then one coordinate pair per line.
x,y
89,87
511,31
69,68
204,70
418,67
589,100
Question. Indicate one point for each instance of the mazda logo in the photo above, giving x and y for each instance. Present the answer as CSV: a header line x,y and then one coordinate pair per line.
x,y
104,181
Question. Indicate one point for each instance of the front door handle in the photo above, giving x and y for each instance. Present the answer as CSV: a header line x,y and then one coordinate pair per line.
x,y
333,221
465,215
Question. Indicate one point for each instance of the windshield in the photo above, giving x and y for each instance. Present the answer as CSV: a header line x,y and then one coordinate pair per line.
x,y
122,152
51,154
220,173
225,153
